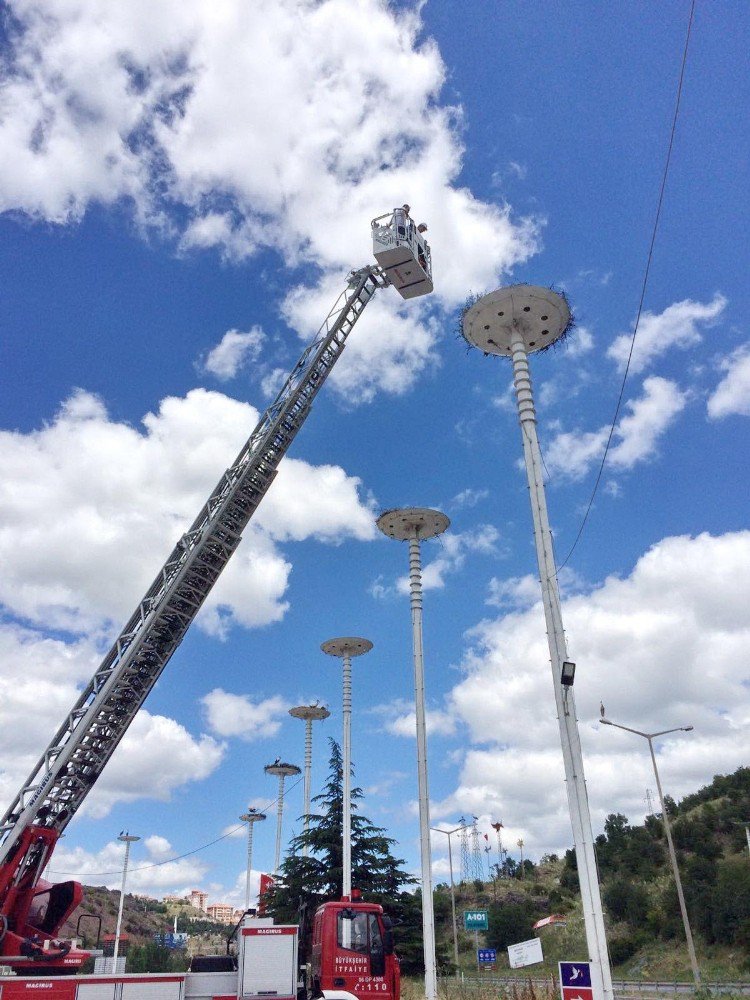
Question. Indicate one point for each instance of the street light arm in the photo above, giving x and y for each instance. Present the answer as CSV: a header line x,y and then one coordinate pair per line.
x,y
608,722
646,736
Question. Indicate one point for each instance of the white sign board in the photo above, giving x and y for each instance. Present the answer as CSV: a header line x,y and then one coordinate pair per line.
x,y
525,953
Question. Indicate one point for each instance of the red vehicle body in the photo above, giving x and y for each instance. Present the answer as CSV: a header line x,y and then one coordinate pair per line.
x,y
352,950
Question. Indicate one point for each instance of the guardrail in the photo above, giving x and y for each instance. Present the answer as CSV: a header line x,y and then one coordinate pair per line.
x,y
623,988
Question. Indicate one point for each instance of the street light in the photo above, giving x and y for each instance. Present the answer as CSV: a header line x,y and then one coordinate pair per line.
x,y
448,834
344,648
514,322
414,525
650,737
127,839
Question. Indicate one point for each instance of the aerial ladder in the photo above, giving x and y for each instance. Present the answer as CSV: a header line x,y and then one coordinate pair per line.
x,y
32,911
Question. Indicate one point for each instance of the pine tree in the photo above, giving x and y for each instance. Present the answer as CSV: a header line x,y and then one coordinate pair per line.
x,y
306,882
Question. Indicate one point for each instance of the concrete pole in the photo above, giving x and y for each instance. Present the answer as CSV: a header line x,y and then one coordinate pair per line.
x,y
251,817
127,839
345,648
282,771
413,524
309,713
511,322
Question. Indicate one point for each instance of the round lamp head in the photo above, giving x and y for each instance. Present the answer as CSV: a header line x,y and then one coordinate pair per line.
x,y
281,769
411,522
536,315
314,712
347,646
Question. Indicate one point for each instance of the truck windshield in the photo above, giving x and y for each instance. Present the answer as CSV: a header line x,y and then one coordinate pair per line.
x,y
361,933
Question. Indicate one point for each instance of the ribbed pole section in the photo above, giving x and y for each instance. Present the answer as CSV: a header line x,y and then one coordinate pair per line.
x,y
279,820
601,979
347,779
428,918
282,771
413,525
249,864
308,779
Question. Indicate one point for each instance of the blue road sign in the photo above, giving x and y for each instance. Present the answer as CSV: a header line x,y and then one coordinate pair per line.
x,y
486,956
576,974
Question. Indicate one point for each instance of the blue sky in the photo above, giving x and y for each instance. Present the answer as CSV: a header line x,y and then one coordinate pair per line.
x,y
183,192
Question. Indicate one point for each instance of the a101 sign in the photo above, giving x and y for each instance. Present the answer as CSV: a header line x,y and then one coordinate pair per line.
x,y
476,920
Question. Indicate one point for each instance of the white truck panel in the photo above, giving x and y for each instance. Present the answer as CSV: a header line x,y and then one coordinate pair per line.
x,y
268,962
97,991
208,985
152,991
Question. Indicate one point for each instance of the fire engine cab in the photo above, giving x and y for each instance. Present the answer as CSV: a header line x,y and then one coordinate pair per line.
x,y
352,950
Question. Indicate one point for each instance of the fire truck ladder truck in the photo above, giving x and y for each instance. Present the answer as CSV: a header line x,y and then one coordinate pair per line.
x,y
32,912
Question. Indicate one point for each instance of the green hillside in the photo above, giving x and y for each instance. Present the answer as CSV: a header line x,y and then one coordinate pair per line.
x,y
645,933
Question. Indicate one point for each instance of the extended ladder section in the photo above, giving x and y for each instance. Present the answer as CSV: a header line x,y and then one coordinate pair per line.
x,y
89,735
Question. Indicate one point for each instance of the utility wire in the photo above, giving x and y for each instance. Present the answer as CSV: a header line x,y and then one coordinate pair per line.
x,y
179,857
643,287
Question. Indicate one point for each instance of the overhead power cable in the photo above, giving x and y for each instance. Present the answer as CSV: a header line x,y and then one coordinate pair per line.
x,y
644,286
179,857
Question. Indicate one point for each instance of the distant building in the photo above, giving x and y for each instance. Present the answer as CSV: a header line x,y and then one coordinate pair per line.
x,y
198,899
175,899
222,913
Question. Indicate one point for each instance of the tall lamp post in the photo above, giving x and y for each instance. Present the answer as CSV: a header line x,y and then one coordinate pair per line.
x,y
310,714
344,648
282,771
414,524
650,737
448,834
514,322
127,839
251,817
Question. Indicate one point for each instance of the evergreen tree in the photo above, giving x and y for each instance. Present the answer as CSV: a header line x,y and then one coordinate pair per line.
x,y
306,882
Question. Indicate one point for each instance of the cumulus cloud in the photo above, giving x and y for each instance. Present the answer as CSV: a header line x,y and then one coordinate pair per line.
x,y
732,394
667,645
41,679
150,872
469,497
161,109
233,352
236,715
122,496
399,719
636,436
677,327
454,546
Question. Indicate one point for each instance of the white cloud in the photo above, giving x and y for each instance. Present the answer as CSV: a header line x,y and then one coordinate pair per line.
x,y
400,719
469,497
732,394
391,347
454,546
272,125
646,419
41,678
156,756
666,646
678,326
580,341
233,352
236,715
150,872
122,497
